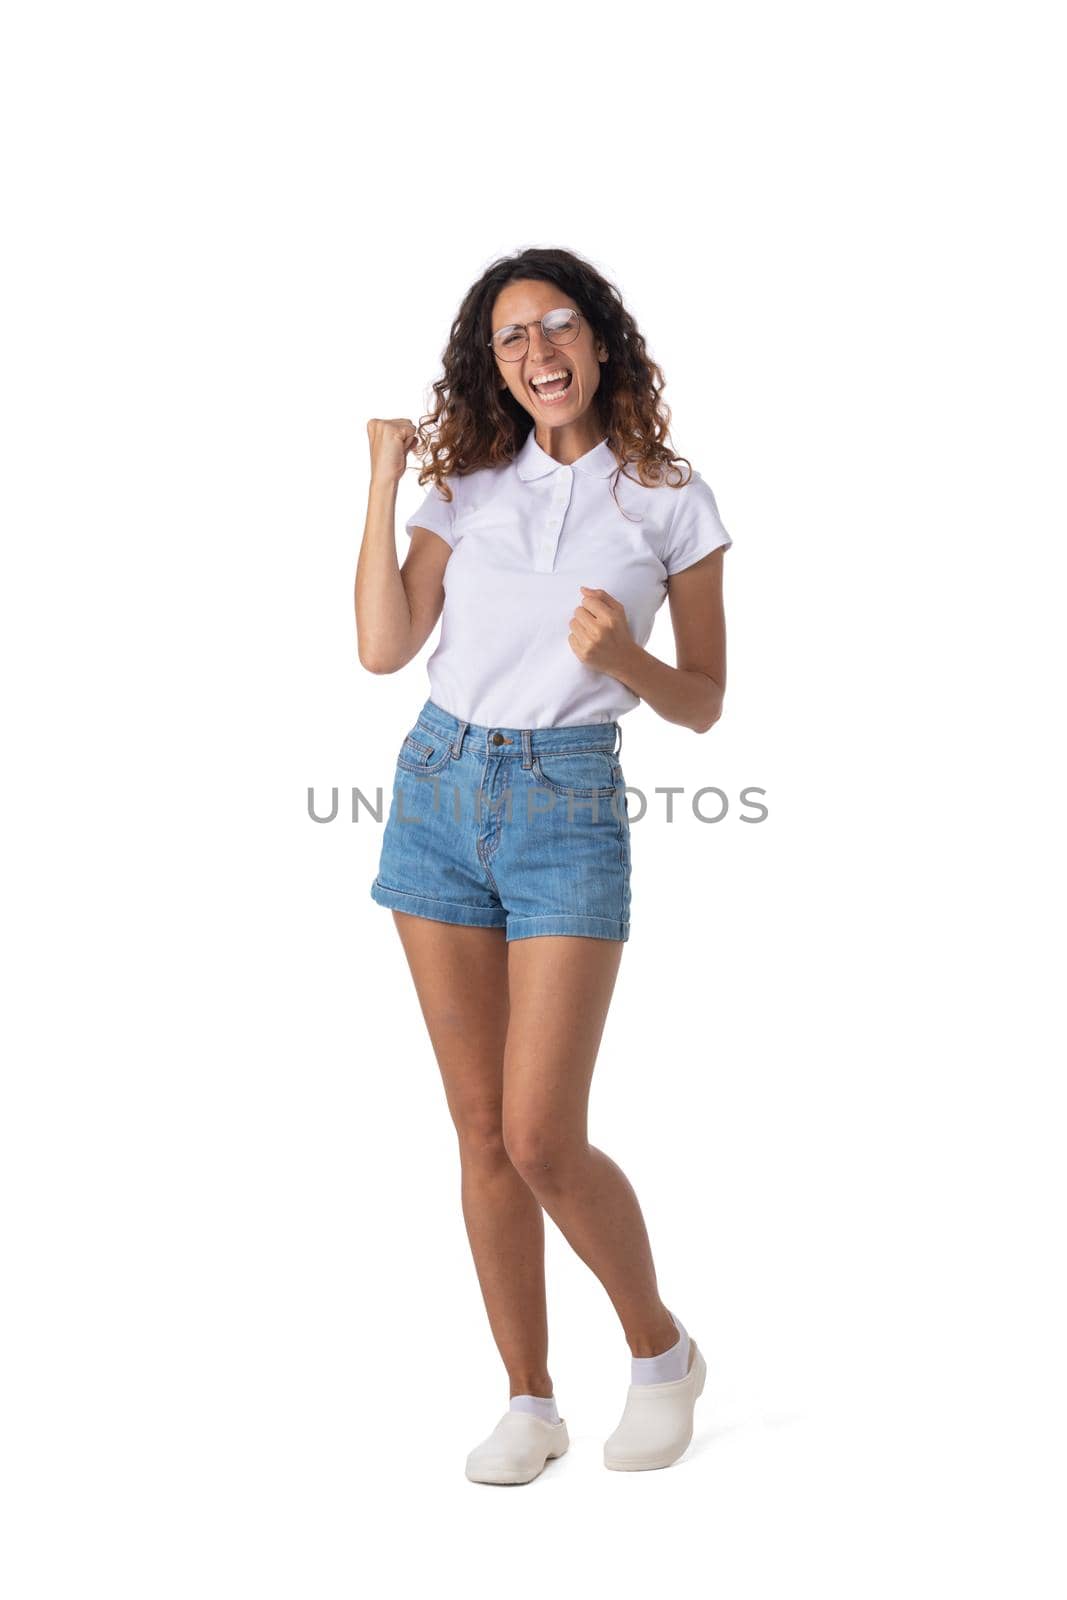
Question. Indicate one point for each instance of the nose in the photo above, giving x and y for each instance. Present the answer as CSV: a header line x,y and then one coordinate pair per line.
x,y
540,347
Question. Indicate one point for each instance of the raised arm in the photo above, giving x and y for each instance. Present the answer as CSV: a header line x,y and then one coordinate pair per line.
x,y
396,607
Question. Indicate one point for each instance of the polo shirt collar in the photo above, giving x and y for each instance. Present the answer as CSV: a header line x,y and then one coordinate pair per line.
x,y
533,462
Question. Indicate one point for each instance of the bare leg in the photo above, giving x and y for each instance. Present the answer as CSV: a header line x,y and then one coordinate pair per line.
x,y
461,979
561,988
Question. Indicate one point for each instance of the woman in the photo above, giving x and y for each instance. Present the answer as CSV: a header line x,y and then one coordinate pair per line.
x,y
506,856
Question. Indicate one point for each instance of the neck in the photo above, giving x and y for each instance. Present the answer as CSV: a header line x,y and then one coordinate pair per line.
x,y
565,444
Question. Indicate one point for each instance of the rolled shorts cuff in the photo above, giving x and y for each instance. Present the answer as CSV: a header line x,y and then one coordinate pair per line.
x,y
554,922
421,905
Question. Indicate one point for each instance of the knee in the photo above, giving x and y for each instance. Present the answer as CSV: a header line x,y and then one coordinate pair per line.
x,y
538,1152
480,1132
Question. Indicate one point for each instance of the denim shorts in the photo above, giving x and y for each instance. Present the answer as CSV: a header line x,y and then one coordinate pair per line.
x,y
524,829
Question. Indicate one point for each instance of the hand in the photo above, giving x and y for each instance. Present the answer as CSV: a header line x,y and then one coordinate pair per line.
x,y
600,634
390,440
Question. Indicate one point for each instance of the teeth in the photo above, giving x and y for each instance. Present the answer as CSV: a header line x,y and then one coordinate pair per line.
x,y
546,377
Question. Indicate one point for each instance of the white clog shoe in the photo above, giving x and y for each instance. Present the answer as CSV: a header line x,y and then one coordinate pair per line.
x,y
657,1420
517,1449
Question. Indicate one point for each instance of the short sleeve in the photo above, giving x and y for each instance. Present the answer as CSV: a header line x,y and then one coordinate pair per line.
x,y
696,528
437,514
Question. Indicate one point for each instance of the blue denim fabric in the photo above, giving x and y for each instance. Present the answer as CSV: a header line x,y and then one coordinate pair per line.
x,y
531,835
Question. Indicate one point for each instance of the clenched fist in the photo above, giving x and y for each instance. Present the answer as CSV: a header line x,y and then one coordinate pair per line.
x,y
390,440
600,634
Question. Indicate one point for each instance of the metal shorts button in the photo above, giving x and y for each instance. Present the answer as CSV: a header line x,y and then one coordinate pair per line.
x,y
498,738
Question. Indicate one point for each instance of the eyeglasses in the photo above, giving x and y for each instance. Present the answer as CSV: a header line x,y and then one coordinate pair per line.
x,y
559,327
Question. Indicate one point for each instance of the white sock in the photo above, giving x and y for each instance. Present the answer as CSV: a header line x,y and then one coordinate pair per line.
x,y
668,1366
541,1406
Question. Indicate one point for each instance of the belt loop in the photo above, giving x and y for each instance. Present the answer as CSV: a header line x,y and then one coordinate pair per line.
x,y
527,749
457,742
618,732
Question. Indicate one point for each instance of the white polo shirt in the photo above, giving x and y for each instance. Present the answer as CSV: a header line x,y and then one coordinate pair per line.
x,y
523,537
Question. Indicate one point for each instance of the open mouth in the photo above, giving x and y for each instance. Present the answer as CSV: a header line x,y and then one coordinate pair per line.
x,y
553,386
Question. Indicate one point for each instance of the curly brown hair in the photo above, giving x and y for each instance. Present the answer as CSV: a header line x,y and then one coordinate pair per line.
x,y
476,424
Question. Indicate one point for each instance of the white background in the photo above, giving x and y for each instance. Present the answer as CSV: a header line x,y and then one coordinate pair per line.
x,y
244,1351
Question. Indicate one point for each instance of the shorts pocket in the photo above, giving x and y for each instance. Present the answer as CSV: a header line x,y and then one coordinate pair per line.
x,y
424,751
582,773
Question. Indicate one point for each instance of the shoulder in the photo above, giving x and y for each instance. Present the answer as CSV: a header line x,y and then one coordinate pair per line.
x,y
692,497
466,492
661,503
485,482
687,522
664,497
